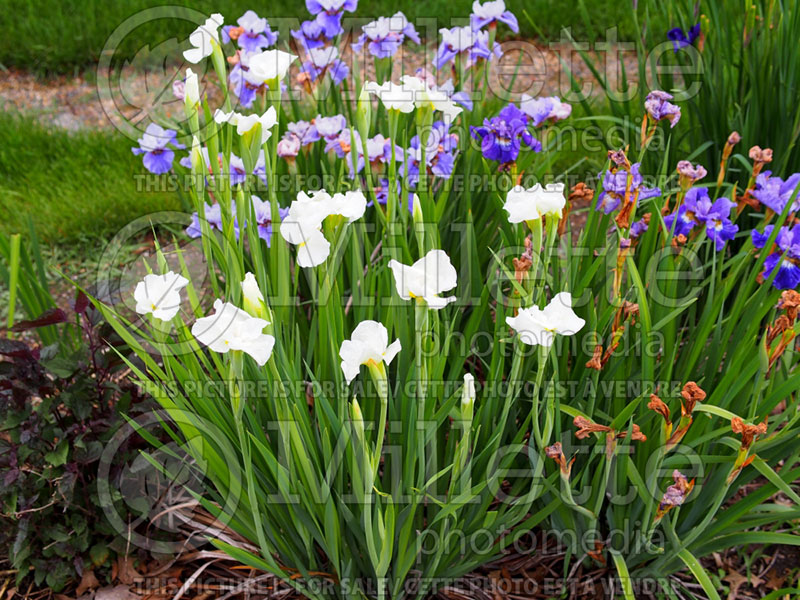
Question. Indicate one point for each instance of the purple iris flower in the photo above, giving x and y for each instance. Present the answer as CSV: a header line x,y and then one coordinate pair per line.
x,y
774,193
325,60
697,209
638,228
721,230
463,98
439,153
379,152
454,42
542,109
153,144
459,40
658,107
253,33
186,161
786,258
193,230
788,276
213,216
305,131
385,35
716,216
615,184
382,192
310,35
238,174
480,49
263,214
681,39
684,221
341,144
289,146
329,13
382,195
503,136
760,239
490,13
260,169
329,128
245,86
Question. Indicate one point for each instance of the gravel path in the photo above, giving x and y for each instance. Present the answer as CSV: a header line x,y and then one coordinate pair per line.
x,y
74,103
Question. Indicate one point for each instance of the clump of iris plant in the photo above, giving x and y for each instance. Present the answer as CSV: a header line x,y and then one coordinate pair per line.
x,y
698,209
785,255
153,145
503,136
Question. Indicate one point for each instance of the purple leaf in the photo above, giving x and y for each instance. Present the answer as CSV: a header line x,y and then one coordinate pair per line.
x,y
81,303
49,317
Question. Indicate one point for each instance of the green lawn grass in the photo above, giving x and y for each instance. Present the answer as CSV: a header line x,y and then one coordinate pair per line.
x,y
66,36
74,185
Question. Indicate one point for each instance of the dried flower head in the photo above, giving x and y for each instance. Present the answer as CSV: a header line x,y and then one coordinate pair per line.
x,y
235,59
557,454
523,264
759,155
692,394
580,191
790,302
734,138
690,172
678,240
659,406
595,362
782,323
618,158
636,434
675,495
587,427
747,431
521,267
597,553
630,310
235,32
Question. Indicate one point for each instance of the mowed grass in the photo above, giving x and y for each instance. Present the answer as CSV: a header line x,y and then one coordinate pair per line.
x,y
75,186
67,36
